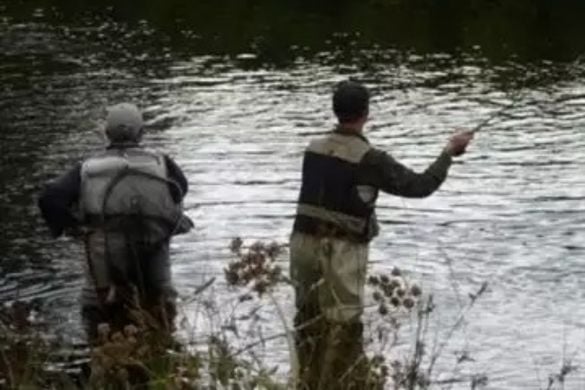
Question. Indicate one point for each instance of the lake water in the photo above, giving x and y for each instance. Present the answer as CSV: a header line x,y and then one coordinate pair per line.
x,y
512,212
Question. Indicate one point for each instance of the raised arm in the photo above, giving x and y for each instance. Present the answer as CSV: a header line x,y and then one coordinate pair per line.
x,y
384,172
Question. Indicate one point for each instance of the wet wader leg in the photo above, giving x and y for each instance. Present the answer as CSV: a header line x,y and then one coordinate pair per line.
x,y
309,322
344,357
160,296
341,300
107,254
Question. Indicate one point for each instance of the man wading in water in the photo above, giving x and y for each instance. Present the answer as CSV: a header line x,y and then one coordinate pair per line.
x,y
125,203
335,221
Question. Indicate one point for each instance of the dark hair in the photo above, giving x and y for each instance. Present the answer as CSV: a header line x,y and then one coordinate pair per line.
x,y
351,101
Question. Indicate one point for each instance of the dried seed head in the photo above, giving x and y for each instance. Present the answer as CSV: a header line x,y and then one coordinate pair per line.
x,y
395,301
408,303
388,290
234,266
259,259
383,310
273,250
231,277
260,287
377,296
247,258
384,279
277,270
396,271
257,247
130,330
117,337
377,359
236,245
245,297
415,291
400,292
373,280
395,283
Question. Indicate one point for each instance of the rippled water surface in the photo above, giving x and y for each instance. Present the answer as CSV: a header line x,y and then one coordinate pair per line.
x,y
512,212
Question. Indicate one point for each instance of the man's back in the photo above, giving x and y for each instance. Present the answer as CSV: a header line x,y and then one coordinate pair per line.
x,y
330,200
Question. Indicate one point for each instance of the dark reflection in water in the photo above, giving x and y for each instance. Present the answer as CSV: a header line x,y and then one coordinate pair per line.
x,y
234,90
278,31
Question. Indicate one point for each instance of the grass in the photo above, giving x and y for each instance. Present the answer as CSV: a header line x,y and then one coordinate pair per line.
x,y
144,356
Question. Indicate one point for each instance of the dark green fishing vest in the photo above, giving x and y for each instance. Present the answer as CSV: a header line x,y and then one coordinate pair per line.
x,y
332,200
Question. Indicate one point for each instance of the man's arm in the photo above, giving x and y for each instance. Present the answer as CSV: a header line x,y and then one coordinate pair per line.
x,y
176,175
382,171
57,199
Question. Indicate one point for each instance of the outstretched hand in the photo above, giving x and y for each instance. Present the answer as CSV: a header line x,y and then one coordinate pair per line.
x,y
458,143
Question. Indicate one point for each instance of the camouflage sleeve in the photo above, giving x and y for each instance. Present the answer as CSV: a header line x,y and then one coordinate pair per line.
x,y
382,171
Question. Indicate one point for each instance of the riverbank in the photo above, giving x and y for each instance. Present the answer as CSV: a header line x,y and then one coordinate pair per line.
x,y
143,354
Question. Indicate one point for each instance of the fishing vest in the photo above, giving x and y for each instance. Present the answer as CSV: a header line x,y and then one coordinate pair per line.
x,y
127,204
332,200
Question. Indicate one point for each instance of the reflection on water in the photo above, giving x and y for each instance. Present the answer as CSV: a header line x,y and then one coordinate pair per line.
x,y
512,212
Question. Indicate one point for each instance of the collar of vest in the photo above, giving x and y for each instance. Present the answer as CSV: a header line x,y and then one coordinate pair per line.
x,y
123,145
350,133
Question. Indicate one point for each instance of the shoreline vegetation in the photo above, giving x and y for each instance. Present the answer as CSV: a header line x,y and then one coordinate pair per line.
x,y
142,356
524,30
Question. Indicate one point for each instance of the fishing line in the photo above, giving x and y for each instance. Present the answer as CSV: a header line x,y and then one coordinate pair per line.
x,y
515,102
481,125
441,245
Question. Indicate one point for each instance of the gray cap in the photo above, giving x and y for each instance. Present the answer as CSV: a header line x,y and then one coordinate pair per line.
x,y
124,123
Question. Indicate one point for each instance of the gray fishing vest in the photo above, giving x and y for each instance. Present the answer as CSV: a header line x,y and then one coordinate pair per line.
x,y
127,204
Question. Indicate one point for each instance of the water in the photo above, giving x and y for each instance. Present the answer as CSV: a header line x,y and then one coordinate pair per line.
x,y
512,212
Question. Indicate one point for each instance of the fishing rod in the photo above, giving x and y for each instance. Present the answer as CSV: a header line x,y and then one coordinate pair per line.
x,y
494,115
574,64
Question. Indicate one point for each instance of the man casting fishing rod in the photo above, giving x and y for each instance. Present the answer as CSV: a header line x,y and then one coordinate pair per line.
x,y
335,221
125,203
